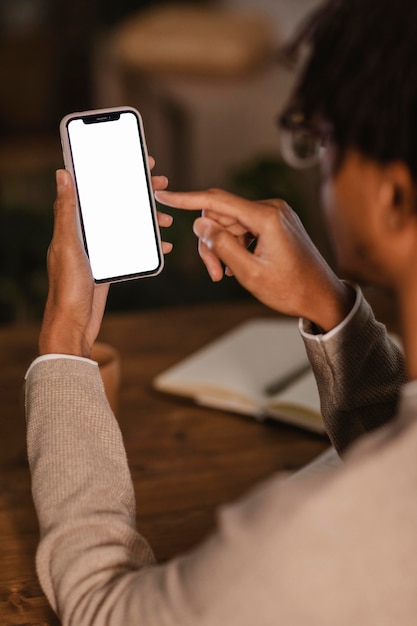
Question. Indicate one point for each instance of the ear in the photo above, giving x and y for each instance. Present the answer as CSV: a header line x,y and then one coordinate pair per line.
x,y
397,198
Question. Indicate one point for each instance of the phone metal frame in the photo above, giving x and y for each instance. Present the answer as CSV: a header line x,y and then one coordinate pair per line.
x,y
69,165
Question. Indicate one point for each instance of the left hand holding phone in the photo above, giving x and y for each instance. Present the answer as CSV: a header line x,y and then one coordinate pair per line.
x,y
75,304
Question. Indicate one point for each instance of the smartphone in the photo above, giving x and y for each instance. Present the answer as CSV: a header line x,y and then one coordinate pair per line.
x,y
106,153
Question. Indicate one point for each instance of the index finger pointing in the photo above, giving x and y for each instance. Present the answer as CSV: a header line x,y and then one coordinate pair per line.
x,y
217,201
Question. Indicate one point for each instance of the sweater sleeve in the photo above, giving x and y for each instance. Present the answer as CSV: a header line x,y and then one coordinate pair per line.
x,y
93,565
359,373
290,552
81,483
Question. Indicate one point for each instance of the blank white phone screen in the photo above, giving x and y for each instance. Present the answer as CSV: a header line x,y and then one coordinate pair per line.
x,y
114,197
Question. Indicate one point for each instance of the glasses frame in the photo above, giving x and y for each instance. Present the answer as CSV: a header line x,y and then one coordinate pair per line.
x,y
294,127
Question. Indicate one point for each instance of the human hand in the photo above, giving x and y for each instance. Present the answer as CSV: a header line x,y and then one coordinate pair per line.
x,y
285,271
75,305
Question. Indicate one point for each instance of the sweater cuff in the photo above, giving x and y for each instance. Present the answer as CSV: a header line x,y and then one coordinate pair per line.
x,y
310,331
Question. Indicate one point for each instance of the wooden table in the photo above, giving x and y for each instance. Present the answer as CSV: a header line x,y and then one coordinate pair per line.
x,y
185,460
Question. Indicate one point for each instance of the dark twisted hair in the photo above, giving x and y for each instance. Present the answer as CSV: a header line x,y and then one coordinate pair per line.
x,y
361,76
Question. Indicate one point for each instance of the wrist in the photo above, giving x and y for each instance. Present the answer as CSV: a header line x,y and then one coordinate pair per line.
x,y
335,306
59,338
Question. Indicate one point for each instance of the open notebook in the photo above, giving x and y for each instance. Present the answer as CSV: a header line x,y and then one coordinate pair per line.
x,y
259,368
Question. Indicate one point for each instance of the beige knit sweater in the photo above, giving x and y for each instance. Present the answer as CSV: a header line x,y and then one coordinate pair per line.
x,y
336,548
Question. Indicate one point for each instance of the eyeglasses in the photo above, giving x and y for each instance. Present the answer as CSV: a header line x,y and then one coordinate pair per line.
x,y
302,145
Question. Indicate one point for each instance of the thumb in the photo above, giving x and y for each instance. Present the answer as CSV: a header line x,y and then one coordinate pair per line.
x,y
65,206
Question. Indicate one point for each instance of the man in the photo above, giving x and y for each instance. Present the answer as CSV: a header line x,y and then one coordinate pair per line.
x,y
335,548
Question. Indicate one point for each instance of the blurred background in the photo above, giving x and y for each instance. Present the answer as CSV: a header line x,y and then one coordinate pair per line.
x,y
204,76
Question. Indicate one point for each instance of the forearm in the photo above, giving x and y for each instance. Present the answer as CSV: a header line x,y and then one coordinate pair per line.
x,y
81,487
359,372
